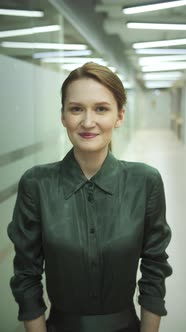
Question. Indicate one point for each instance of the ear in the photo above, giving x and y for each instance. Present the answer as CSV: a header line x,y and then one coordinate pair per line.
x,y
120,118
63,118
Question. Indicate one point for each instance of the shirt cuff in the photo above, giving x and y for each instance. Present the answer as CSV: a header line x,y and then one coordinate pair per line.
x,y
29,309
155,305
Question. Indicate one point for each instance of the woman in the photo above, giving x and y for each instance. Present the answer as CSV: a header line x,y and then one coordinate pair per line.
x,y
90,218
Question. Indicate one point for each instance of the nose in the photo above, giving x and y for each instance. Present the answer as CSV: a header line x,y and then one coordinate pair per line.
x,y
88,120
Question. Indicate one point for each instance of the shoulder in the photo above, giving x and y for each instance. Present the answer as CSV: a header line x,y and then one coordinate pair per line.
x,y
143,177
139,169
39,173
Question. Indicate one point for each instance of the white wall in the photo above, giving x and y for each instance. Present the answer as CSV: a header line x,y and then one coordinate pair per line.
x,y
183,106
29,114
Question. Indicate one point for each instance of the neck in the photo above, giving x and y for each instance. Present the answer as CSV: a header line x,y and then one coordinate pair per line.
x,y
90,162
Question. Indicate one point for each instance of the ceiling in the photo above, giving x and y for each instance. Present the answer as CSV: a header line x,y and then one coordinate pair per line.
x,y
113,22
51,17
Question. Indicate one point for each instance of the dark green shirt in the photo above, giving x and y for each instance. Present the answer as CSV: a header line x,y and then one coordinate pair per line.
x,y
90,235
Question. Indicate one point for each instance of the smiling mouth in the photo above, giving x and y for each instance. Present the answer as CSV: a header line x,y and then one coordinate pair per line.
x,y
88,135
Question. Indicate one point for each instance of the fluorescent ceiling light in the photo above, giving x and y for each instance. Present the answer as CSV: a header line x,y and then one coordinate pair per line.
x,y
165,66
29,31
160,43
160,51
154,85
26,13
73,60
153,7
155,59
72,66
163,76
43,55
161,79
156,26
53,46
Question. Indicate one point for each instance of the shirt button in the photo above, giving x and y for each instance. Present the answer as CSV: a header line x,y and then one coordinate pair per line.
x,y
90,198
90,186
92,230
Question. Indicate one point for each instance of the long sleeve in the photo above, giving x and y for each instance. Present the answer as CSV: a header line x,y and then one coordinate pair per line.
x,y
24,231
154,266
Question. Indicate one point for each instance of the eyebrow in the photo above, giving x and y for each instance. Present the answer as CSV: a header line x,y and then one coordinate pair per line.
x,y
74,102
99,103
103,103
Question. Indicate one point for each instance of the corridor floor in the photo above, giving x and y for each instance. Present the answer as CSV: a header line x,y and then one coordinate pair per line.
x,y
161,149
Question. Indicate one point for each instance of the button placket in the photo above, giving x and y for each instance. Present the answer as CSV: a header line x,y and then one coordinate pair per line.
x,y
93,249
90,189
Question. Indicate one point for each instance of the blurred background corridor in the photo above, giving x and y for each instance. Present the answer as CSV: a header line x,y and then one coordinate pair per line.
x,y
40,42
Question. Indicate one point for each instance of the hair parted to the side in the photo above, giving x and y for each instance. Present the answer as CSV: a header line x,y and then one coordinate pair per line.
x,y
101,74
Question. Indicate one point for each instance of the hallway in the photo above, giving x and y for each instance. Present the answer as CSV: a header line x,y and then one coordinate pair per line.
x,y
161,149
41,42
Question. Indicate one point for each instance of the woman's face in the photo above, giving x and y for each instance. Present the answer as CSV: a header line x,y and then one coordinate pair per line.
x,y
90,114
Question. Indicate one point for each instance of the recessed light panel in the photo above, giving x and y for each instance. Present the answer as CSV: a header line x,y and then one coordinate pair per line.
x,y
153,7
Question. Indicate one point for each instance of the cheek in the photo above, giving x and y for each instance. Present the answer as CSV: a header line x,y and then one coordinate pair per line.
x,y
69,123
108,124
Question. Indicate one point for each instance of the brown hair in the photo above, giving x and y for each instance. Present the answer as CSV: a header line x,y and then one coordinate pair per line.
x,y
101,74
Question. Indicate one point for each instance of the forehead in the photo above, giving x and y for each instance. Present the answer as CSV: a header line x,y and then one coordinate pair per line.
x,y
87,89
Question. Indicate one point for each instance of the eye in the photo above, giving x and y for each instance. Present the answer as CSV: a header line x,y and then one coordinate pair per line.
x,y
76,109
101,109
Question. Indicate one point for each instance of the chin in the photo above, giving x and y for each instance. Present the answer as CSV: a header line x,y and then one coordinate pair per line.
x,y
89,148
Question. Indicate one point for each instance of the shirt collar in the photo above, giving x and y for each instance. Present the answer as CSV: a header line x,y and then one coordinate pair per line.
x,y
73,177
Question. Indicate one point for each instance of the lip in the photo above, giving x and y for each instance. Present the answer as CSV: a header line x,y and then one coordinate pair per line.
x,y
88,135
